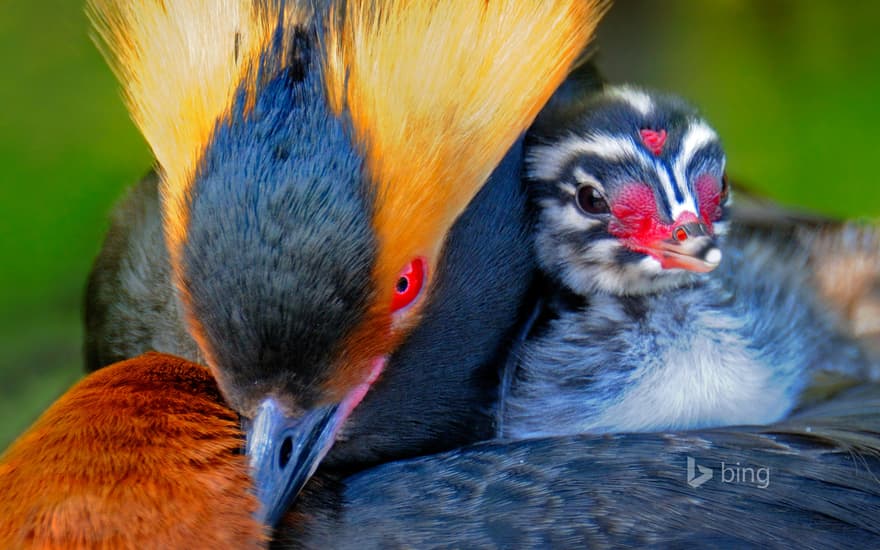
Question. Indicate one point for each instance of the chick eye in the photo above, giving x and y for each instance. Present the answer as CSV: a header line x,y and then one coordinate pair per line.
x,y
591,201
409,284
725,187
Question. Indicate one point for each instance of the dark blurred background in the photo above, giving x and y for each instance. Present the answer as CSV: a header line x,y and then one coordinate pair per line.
x,y
792,86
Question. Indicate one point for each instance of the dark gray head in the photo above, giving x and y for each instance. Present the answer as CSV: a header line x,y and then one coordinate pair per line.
x,y
631,195
311,174
280,248
276,268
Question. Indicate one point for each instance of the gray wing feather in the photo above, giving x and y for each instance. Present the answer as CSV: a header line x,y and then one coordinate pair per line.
x,y
822,491
130,304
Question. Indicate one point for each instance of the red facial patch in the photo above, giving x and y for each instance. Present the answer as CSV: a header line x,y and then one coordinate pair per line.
x,y
654,140
709,194
685,218
636,219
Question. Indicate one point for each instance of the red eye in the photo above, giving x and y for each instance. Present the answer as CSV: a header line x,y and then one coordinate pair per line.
x,y
409,284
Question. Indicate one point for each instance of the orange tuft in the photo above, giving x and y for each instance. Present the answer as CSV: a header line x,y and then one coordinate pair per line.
x,y
437,93
181,65
141,454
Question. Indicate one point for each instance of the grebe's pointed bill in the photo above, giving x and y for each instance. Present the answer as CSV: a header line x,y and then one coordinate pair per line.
x,y
311,171
284,450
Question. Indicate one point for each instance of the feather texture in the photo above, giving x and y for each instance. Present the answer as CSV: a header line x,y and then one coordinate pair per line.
x,y
807,482
432,93
140,454
181,65
437,92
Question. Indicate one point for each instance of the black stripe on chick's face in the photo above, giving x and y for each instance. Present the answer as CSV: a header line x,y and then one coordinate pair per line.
x,y
601,153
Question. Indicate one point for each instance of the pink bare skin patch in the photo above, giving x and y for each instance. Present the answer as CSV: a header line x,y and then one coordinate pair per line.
x,y
356,395
636,222
709,194
654,140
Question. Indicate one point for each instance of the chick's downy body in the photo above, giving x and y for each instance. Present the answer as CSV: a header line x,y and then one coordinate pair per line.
x,y
657,315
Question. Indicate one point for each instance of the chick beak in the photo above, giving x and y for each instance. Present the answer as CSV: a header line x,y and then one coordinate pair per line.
x,y
284,452
691,247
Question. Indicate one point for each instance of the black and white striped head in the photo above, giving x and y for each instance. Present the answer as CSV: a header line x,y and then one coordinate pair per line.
x,y
631,195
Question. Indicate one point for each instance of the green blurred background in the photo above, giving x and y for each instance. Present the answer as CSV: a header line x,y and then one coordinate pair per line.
x,y
792,86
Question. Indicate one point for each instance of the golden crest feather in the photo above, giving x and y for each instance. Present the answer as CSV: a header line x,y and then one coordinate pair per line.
x,y
181,63
437,93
